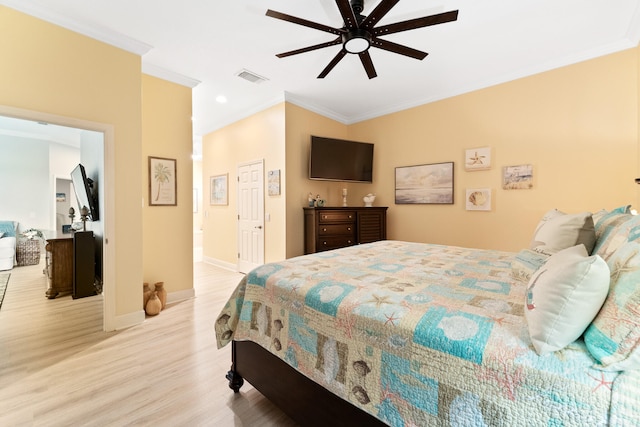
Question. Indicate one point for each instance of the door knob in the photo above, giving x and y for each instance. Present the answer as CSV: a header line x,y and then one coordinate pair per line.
x,y
258,226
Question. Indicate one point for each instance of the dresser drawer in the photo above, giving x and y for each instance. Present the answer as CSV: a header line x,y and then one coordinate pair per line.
x,y
334,242
337,216
336,229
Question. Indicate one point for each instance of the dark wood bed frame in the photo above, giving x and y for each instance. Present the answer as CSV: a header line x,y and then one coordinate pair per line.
x,y
305,401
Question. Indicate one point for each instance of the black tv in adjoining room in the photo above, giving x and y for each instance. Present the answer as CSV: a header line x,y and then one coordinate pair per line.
x,y
333,159
84,192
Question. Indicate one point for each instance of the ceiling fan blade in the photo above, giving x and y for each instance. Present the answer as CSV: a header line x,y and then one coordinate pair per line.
x,y
378,13
310,48
332,64
367,63
348,16
398,48
303,22
411,24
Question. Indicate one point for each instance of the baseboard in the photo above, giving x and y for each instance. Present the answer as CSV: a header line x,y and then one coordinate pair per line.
x,y
221,264
180,295
130,319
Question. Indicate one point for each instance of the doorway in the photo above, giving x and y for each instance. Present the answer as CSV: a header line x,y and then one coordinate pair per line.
x,y
105,165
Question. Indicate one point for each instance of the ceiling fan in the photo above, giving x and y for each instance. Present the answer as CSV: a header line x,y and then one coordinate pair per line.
x,y
359,32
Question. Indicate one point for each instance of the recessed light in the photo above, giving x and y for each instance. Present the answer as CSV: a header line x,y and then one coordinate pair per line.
x,y
221,99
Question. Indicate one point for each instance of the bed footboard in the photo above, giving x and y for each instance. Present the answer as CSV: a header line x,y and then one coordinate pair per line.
x,y
305,401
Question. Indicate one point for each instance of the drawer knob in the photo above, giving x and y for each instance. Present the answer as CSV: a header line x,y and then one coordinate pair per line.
x,y
324,243
348,228
324,229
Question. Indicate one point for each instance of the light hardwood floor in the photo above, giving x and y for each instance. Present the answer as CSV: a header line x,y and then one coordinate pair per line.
x,y
57,367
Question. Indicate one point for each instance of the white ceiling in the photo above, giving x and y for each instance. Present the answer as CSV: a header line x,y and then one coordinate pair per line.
x,y
205,43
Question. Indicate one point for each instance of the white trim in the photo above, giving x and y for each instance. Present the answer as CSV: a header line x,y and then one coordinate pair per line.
x,y
248,112
172,76
293,99
93,31
178,296
128,320
219,263
110,322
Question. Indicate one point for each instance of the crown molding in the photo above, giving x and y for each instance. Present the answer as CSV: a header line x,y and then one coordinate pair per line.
x,y
96,32
163,73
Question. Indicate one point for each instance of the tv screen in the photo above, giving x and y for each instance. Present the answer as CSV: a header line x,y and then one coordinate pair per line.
x,y
83,188
333,159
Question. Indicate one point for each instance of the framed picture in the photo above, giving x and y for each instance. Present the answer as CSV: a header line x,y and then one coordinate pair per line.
x,y
219,189
517,177
162,182
61,197
425,184
477,159
478,199
273,180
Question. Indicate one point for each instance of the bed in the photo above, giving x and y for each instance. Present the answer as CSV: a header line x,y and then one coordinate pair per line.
x,y
400,333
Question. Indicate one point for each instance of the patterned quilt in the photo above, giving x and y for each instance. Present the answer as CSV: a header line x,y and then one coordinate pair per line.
x,y
422,335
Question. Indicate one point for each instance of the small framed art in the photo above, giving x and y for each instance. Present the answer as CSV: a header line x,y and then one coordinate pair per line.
x,y
478,199
219,189
517,177
477,159
162,182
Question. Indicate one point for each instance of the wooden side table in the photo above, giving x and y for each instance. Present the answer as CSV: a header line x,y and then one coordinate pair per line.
x,y
28,252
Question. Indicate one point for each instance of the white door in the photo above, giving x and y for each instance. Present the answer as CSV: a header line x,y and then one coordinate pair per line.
x,y
250,216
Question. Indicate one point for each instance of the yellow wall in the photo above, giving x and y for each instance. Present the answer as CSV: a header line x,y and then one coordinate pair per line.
x,y
301,124
48,69
261,136
168,230
577,126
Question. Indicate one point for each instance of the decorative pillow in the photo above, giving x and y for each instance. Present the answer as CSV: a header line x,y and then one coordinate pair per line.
x,y
558,230
525,263
618,231
8,228
564,296
606,228
613,338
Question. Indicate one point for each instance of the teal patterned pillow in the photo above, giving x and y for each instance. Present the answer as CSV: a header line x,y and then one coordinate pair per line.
x,y
612,230
525,263
8,228
613,338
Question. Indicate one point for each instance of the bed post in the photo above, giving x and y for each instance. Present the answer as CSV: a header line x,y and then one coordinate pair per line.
x,y
235,380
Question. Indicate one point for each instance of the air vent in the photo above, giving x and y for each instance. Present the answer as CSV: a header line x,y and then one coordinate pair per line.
x,y
251,77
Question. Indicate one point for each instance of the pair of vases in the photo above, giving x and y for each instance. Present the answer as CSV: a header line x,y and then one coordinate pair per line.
x,y
154,300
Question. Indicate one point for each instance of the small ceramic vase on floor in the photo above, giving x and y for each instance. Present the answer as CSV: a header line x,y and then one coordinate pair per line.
x,y
162,293
154,305
146,294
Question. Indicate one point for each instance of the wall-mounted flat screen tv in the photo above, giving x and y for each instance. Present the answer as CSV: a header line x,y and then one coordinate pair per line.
x,y
333,159
85,194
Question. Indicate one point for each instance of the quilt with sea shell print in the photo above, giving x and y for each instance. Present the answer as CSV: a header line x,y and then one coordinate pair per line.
x,y
421,335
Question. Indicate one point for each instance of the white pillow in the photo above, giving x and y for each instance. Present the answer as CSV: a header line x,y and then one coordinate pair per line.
x,y
564,296
558,230
1,234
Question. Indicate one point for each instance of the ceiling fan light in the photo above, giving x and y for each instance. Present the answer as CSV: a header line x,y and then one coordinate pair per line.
x,y
356,45
356,41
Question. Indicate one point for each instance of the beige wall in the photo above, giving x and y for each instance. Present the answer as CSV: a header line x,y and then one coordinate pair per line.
x,y
49,69
577,126
168,230
259,137
301,124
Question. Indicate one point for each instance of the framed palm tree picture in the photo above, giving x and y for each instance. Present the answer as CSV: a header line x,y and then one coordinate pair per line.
x,y
162,182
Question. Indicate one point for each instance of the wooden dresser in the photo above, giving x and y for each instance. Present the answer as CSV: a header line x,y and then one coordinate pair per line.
x,y
336,227
59,266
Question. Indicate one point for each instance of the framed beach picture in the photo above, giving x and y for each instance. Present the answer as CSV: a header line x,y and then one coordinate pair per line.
x,y
273,182
425,184
162,182
219,189
478,199
477,159
518,177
